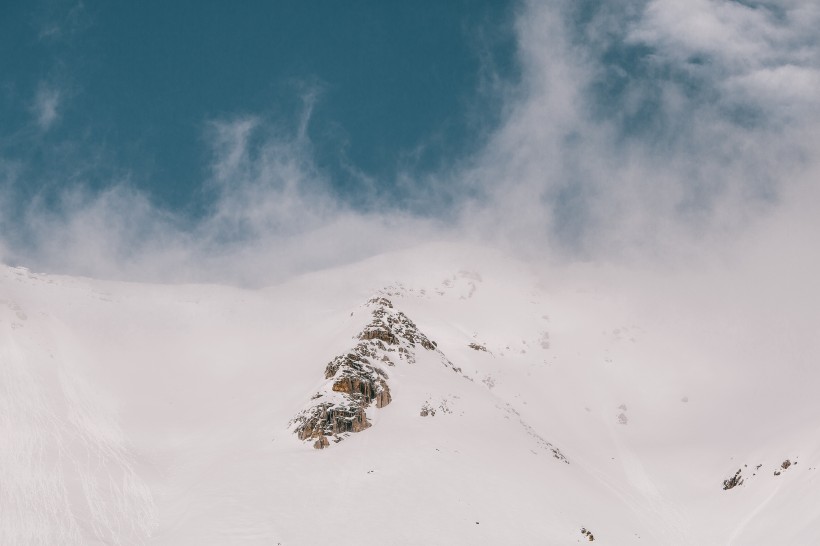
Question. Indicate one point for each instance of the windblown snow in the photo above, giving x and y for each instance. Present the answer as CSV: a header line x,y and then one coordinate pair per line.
x,y
479,400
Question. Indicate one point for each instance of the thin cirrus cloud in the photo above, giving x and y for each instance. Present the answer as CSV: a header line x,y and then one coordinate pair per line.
x,y
45,107
661,130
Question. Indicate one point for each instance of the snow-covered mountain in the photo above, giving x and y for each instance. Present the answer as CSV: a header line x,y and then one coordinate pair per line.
x,y
459,397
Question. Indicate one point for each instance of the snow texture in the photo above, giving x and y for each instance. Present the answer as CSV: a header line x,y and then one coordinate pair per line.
x,y
527,404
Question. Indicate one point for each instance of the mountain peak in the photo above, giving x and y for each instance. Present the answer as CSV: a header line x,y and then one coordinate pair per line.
x,y
358,379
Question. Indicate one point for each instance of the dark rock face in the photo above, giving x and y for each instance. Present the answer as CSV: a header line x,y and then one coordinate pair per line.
x,y
783,466
734,481
329,419
356,379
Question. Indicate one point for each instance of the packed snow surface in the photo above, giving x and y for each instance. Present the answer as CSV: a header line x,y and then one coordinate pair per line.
x,y
649,410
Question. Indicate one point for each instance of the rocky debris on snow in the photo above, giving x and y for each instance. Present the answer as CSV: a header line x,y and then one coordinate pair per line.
x,y
489,381
542,443
734,481
476,347
357,380
738,479
622,418
783,466
587,533
428,409
545,340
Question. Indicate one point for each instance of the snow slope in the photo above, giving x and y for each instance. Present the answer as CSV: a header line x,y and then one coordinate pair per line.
x,y
159,414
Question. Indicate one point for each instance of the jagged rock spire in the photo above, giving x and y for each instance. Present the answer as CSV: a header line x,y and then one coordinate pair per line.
x,y
357,378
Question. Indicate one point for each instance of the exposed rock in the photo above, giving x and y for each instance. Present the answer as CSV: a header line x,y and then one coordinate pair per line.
x,y
390,326
328,418
426,410
382,397
378,333
734,481
542,443
785,464
356,378
587,533
381,302
429,409
477,347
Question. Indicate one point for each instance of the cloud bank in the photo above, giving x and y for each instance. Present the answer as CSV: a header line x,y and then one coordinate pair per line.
x,y
652,131
647,126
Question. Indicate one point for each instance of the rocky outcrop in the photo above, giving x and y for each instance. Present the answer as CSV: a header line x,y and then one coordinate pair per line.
x,y
783,466
357,379
394,328
542,443
328,418
734,481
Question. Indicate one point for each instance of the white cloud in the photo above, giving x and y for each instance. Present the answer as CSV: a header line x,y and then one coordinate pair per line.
x,y
705,135
272,215
45,106
658,131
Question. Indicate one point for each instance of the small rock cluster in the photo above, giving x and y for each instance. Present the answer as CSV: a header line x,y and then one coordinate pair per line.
x,y
737,479
428,409
783,466
733,482
622,418
587,533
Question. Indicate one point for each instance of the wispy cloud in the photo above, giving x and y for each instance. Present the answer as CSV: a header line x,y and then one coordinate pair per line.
x,y
651,131
62,19
45,106
272,214
649,128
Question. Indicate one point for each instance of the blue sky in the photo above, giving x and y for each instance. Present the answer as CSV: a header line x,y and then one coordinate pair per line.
x,y
127,89
207,141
